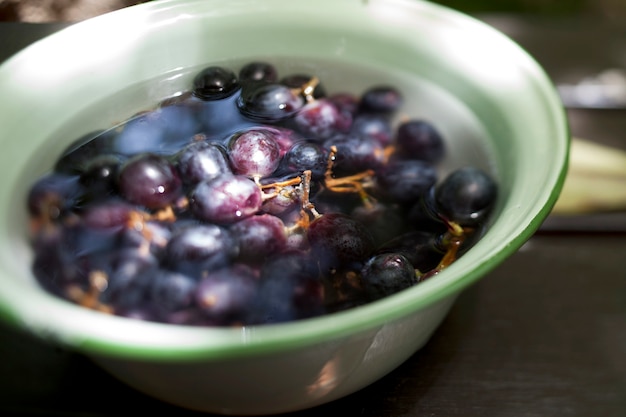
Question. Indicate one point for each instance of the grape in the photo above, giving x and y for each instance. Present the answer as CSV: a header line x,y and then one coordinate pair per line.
x,y
83,150
268,101
254,152
259,237
149,180
202,161
258,71
226,199
419,247
355,153
387,274
375,126
337,240
171,291
466,196
100,176
201,248
227,294
406,181
347,103
320,119
215,83
296,81
109,214
289,289
381,99
420,140
304,156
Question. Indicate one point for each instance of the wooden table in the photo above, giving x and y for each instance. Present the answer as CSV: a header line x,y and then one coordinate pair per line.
x,y
543,335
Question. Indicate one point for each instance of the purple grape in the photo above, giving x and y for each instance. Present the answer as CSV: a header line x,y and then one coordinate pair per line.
x,y
375,126
259,237
466,196
268,102
254,153
149,180
405,181
83,150
320,119
347,103
171,292
419,247
226,295
381,99
337,240
290,289
215,83
100,176
304,156
386,274
196,249
296,81
202,161
226,199
258,71
355,153
419,139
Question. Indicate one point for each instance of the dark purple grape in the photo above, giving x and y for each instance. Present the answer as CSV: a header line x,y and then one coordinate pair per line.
x,y
381,99
418,139
128,273
259,237
162,131
297,81
83,150
171,292
375,126
151,236
290,289
420,248
226,295
347,103
254,153
383,221
226,199
215,83
258,71
196,249
268,102
320,119
202,161
386,274
304,156
355,153
109,214
337,240
149,180
405,181
466,196
100,176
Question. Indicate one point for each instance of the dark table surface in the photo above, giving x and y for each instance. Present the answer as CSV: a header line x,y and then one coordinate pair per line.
x,y
543,335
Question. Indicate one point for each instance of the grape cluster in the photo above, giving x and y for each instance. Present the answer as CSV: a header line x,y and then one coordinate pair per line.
x,y
252,199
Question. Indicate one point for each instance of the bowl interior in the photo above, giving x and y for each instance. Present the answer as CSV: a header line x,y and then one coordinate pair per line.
x,y
491,100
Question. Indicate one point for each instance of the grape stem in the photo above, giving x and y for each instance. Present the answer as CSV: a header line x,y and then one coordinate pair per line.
x,y
356,183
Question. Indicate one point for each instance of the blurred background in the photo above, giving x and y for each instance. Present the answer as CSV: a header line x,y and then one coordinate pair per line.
x,y
74,10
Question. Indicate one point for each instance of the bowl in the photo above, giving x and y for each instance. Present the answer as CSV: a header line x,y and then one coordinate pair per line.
x,y
490,97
